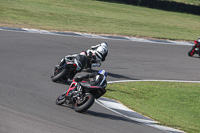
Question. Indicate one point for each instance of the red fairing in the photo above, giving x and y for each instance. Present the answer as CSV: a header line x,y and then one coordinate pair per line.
x,y
196,43
75,65
72,87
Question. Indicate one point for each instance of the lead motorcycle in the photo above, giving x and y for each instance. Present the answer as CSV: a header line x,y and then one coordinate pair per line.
x,y
80,95
195,49
67,68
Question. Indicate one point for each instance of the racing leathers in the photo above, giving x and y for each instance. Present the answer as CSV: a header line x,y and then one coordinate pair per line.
x,y
98,54
94,79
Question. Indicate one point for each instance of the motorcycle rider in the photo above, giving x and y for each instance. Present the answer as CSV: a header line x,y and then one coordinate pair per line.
x,y
98,54
93,79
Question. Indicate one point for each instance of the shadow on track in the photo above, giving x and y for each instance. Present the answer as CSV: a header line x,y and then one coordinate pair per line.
x,y
102,115
114,75
109,116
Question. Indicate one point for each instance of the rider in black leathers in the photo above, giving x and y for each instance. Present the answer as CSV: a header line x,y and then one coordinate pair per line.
x,y
98,78
94,79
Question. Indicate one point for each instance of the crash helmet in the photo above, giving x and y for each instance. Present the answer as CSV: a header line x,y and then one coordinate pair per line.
x,y
103,72
198,40
101,50
105,45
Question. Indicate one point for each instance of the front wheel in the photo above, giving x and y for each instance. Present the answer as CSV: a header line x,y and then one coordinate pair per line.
x,y
60,100
59,75
192,51
84,104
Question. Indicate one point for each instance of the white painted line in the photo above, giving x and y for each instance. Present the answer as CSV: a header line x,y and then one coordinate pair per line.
x,y
115,105
140,40
132,118
37,31
120,81
165,128
91,35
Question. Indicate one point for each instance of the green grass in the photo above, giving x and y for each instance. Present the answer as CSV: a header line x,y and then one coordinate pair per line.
x,y
98,17
173,104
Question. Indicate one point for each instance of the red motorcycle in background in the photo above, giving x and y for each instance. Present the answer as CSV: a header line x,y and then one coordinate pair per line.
x,y
195,49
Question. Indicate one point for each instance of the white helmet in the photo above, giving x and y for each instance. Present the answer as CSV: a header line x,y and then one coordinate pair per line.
x,y
103,48
198,40
105,45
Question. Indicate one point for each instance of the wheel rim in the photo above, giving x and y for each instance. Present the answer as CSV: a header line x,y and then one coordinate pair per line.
x,y
61,97
81,102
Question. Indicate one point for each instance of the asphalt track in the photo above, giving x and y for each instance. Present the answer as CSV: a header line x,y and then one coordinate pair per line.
x,y
27,94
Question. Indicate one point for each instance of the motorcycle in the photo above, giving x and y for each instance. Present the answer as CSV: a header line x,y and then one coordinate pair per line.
x,y
80,95
195,49
65,70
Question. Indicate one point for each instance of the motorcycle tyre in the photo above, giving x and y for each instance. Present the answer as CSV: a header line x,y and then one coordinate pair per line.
x,y
86,105
62,101
59,76
191,52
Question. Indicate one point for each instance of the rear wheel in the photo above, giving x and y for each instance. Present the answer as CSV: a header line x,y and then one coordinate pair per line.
x,y
82,105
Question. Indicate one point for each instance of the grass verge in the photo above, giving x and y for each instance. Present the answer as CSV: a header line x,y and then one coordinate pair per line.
x,y
98,17
173,104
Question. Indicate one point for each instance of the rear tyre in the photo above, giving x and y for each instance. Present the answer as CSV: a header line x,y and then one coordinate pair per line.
x,y
58,76
60,100
81,106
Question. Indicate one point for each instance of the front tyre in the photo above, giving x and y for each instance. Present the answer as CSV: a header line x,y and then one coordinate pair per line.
x,y
82,105
192,51
60,100
58,76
